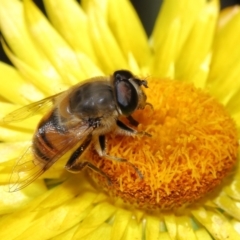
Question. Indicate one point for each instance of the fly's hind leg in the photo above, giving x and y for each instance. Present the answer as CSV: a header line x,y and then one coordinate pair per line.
x,y
79,166
72,164
75,166
100,146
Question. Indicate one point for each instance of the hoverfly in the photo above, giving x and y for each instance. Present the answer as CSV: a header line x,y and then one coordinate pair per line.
x,y
79,117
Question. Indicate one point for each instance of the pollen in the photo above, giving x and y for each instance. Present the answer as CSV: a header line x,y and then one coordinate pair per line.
x,y
192,148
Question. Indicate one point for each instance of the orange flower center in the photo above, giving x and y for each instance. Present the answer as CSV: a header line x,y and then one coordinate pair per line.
x,y
193,147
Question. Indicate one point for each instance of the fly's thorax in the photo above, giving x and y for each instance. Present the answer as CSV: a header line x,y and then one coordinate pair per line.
x,y
92,99
107,124
91,105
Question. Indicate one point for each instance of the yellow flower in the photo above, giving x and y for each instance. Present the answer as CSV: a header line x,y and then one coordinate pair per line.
x,y
191,186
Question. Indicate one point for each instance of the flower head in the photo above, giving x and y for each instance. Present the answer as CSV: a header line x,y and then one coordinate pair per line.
x,y
193,147
189,186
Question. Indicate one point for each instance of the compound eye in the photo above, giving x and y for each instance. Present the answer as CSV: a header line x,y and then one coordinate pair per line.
x,y
122,75
127,97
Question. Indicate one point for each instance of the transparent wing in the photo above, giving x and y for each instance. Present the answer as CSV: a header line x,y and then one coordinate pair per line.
x,y
27,169
24,172
31,109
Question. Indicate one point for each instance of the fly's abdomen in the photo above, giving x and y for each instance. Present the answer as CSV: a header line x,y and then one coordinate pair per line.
x,y
49,138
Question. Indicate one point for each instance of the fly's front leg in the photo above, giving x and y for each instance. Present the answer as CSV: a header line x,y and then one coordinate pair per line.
x,y
124,129
100,146
132,121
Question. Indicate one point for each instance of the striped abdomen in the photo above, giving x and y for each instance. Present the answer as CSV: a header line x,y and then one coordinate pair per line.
x,y
50,139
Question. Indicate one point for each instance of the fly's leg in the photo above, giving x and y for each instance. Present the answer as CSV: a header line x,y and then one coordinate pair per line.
x,y
79,166
132,121
75,166
72,163
100,147
124,129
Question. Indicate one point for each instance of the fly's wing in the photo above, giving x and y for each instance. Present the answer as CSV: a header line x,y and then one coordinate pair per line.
x,y
44,104
31,109
28,169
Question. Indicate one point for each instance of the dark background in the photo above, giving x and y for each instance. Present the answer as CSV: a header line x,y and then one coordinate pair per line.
x,y
147,11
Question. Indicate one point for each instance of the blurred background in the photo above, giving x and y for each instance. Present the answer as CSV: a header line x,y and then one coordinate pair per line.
x,y
147,11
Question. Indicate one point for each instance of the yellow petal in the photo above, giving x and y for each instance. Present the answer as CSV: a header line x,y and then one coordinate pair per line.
x,y
103,232
233,189
10,202
234,103
163,62
133,39
194,59
72,211
47,85
229,205
236,118
7,226
59,219
236,225
14,88
203,234
11,151
217,224
89,68
51,43
68,234
170,222
69,190
121,221
185,11
95,219
225,68
152,227
133,230
15,32
9,134
105,45
71,22
172,27
164,236
26,215
184,228
99,6
227,14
